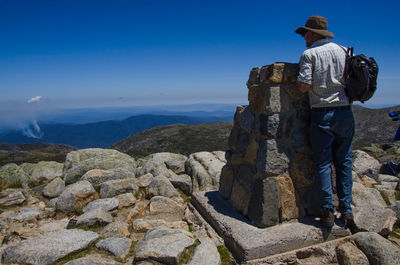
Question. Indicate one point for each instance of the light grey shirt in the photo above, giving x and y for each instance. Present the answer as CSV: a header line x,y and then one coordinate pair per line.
x,y
322,67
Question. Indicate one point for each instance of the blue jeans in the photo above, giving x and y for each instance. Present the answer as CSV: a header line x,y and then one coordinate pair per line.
x,y
331,134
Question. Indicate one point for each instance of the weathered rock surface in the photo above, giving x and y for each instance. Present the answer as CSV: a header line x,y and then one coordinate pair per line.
x,y
144,180
349,254
161,186
113,188
142,225
205,170
11,175
92,261
364,164
11,197
379,250
166,208
182,182
370,211
116,229
205,253
76,196
118,246
95,216
79,162
396,208
163,164
99,176
27,214
43,171
125,200
107,204
54,188
49,248
163,244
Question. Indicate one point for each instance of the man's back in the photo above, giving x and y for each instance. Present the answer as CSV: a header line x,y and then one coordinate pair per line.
x,y
322,66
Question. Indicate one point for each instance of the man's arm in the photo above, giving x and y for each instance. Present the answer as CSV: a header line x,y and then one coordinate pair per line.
x,y
303,87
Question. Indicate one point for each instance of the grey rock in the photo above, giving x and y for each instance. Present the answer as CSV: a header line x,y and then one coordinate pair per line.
x,y
370,212
182,182
125,200
95,216
161,186
272,158
142,225
11,175
52,202
156,167
349,254
99,176
107,204
113,188
92,261
174,162
43,171
205,253
11,197
54,188
118,228
226,182
269,125
118,246
389,178
48,248
145,180
396,208
77,163
379,250
266,197
245,118
27,214
163,244
364,164
205,169
166,207
364,196
76,196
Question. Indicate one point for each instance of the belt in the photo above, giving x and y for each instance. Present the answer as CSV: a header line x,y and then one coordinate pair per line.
x,y
325,109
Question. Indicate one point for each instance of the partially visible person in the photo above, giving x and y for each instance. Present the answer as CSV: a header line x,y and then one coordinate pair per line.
x,y
321,75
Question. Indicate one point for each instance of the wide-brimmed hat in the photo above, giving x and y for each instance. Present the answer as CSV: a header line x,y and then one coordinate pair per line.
x,y
316,24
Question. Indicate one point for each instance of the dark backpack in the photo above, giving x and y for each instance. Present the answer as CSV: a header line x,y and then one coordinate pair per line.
x,y
360,76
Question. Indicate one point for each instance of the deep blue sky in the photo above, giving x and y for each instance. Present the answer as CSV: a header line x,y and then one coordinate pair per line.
x,y
129,53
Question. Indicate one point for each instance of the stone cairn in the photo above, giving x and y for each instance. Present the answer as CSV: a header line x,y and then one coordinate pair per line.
x,y
269,174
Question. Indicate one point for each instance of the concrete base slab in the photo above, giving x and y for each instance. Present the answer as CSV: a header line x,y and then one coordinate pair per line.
x,y
248,242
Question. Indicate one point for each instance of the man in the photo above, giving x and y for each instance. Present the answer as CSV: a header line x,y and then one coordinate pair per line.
x,y
332,124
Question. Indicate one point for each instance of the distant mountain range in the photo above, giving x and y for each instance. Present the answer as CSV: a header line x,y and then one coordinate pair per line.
x,y
98,134
146,134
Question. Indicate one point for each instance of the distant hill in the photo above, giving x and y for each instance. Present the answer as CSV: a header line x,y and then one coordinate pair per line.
x,y
33,153
372,126
177,138
101,134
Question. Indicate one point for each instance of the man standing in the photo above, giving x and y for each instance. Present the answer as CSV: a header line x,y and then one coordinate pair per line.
x,y
332,124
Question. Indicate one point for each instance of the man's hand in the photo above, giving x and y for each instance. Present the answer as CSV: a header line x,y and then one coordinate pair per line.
x,y
303,87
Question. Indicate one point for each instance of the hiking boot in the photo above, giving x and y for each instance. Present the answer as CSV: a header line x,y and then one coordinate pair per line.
x,y
348,219
327,218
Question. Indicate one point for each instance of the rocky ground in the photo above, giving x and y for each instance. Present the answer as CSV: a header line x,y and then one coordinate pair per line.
x,y
103,207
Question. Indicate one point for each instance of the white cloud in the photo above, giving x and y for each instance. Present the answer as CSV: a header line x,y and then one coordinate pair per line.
x,y
35,99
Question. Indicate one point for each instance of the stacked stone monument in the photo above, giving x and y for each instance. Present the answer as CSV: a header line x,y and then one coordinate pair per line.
x,y
269,174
